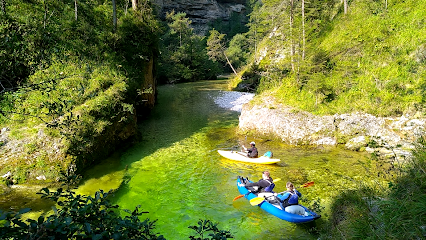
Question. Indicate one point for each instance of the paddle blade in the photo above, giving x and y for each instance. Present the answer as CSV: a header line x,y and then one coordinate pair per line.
x,y
237,197
276,180
256,201
308,184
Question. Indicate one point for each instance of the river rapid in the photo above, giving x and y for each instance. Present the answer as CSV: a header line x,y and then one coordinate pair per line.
x,y
175,173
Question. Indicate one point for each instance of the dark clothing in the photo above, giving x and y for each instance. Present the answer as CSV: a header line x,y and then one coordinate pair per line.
x,y
262,184
252,152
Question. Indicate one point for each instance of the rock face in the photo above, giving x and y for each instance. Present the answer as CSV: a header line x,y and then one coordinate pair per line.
x,y
383,135
202,12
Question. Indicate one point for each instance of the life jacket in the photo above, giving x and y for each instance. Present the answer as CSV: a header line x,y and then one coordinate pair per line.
x,y
270,187
293,199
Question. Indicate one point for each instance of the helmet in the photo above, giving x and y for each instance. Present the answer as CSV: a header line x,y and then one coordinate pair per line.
x,y
253,143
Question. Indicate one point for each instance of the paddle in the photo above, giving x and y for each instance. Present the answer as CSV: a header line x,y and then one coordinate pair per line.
x,y
308,184
258,200
238,197
242,154
242,195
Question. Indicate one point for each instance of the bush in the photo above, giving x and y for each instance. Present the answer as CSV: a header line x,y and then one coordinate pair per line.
x,y
86,217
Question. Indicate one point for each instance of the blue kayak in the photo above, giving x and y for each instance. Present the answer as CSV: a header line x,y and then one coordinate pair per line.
x,y
275,208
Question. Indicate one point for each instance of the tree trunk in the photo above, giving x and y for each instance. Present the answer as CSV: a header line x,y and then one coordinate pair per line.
x,y
292,50
75,9
303,30
345,6
45,13
227,60
255,42
3,7
114,15
135,5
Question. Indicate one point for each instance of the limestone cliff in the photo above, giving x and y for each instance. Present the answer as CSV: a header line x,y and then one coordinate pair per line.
x,y
385,136
202,12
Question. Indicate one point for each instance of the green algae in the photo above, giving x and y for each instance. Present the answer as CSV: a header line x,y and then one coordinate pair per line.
x,y
176,174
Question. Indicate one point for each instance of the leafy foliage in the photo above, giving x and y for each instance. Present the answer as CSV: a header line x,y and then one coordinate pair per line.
x,y
87,217
214,233
327,62
238,50
79,217
72,73
183,56
216,45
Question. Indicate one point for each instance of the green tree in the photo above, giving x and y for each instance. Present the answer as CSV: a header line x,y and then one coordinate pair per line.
x,y
179,24
183,54
216,48
238,50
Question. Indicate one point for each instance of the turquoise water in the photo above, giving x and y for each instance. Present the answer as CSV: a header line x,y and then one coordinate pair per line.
x,y
176,174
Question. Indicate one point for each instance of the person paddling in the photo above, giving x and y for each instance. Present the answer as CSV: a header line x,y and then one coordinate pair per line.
x,y
251,152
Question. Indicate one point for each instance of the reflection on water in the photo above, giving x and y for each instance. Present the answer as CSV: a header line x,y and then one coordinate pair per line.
x,y
176,174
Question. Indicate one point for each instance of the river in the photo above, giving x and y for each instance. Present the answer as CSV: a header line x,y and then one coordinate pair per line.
x,y
175,173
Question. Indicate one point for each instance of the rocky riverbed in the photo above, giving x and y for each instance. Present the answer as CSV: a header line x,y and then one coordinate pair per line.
x,y
386,136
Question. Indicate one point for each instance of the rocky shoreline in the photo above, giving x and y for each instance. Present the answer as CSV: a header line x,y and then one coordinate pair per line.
x,y
386,136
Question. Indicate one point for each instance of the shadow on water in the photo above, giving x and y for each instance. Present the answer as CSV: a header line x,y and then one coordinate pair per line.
x,y
180,111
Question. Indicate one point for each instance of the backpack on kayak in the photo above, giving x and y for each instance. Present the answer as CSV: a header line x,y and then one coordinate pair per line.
x,y
268,154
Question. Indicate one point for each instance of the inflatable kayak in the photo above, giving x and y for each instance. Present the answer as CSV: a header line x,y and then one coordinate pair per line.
x,y
275,209
240,156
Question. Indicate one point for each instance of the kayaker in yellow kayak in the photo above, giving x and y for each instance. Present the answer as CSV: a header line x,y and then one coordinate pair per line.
x,y
251,152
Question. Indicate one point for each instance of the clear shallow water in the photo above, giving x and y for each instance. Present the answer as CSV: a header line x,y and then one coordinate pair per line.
x,y
176,174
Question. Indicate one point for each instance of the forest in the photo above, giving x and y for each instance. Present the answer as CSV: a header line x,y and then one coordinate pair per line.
x,y
75,73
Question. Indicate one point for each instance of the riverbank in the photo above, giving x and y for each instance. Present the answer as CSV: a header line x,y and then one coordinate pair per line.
x,y
371,209
383,136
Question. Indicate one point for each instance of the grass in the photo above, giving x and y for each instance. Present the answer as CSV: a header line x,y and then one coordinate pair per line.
x,y
370,60
383,212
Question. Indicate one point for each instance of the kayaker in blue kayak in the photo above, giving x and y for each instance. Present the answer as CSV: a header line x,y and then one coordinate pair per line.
x,y
251,152
289,197
266,184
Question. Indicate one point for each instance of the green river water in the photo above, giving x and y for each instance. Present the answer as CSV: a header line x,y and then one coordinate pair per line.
x,y
176,174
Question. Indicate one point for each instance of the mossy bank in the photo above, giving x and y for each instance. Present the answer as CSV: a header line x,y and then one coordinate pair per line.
x,y
72,85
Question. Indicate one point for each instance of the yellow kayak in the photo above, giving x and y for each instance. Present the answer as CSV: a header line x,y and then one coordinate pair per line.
x,y
242,157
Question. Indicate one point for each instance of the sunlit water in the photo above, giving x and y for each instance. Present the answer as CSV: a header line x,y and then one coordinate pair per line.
x,y
176,174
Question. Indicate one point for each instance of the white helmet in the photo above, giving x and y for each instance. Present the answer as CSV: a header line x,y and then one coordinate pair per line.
x,y
253,143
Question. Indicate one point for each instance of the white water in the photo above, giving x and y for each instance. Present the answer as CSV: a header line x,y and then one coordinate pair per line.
x,y
233,100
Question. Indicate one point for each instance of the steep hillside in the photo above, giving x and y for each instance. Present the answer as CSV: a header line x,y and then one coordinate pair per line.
x,y
372,59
